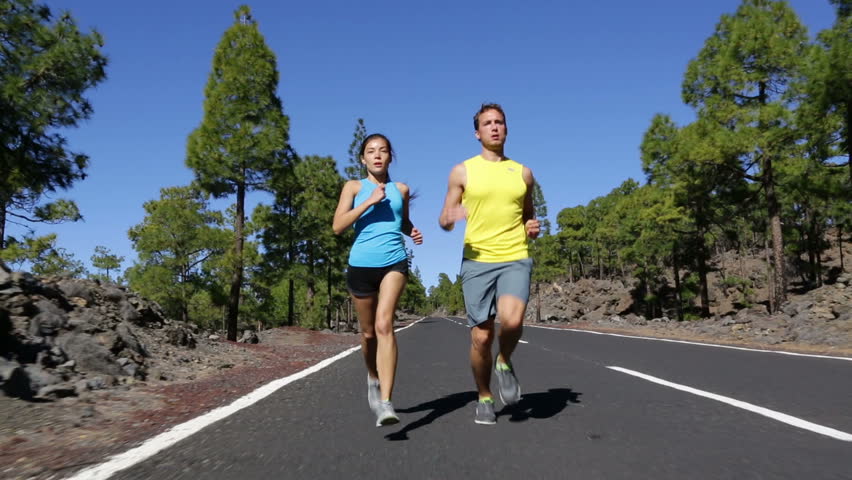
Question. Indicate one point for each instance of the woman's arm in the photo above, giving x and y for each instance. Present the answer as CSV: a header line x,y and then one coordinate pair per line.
x,y
346,214
408,228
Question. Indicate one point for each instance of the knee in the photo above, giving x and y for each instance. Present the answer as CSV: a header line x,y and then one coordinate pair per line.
x,y
512,322
482,339
511,314
384,328
368,333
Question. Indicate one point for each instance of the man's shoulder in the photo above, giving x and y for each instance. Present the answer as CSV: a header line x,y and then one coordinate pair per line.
x,y
515,162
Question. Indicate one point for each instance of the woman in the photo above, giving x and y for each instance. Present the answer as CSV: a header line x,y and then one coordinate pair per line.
x,y
378,265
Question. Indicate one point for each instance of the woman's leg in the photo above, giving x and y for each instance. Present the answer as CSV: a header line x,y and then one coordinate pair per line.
x,y
365,307
389,292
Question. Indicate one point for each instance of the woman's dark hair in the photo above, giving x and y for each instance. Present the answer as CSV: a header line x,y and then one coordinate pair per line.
x,y
372,137
412,194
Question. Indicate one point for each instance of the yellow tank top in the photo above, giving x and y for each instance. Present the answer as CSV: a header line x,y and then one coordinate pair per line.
x,y
494,199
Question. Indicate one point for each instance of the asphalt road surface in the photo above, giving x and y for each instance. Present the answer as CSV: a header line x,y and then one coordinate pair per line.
x,y
593,407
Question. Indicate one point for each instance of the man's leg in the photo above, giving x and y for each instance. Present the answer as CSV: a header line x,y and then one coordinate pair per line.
x,y
513,289
510,310
481,338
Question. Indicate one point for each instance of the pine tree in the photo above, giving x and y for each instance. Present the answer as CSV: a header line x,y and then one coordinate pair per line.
x,y
105,260
831,81
413,299
46,66
540,207
43,256
320,250
243,136
175,240
356,170
740,81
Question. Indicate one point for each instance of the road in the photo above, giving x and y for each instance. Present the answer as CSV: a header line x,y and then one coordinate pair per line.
x,y
593,407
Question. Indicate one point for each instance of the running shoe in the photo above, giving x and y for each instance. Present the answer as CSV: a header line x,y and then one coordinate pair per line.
x,y
385,414
374,393
485,412
510,389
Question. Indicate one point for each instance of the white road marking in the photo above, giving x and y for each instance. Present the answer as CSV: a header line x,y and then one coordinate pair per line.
x,y
523,341
848,359
781,417
177,433
454,321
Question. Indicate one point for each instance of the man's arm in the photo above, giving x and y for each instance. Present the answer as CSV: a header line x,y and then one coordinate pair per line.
x,y
531,224
453,210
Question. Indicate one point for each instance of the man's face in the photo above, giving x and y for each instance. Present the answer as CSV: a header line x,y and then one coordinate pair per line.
x,y
492,129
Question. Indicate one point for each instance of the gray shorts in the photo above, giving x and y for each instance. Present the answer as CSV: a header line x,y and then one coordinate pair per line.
x,y
483,283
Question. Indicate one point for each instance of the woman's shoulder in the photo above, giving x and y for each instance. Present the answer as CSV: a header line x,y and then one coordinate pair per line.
x,y
403,188
352,186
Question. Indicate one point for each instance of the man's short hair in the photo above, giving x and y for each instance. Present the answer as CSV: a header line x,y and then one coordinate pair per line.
x,y
484,108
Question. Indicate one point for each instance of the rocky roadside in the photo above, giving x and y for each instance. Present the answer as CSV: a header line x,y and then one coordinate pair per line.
x,y
818,321
89,370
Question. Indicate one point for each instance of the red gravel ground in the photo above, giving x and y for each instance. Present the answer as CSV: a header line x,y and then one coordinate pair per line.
x,y
54,439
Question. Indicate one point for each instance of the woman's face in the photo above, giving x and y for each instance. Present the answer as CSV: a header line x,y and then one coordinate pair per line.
x,y
376,156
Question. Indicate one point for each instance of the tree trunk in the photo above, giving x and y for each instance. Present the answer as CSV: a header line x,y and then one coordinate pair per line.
x,y
291,292
849,140
537,303
779,280
580,264
609,263
291,258
237,275
840,245
645,289
311,284
676,268
770,277
774,216
819,268
702,279
571,267
703,257
328,291
3,206
184,307
804,274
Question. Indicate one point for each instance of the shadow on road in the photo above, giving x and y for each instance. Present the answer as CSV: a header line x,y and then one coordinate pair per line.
x,y
540,405
439,407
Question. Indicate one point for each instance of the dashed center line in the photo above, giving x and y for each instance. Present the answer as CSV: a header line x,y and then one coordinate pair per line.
x,y
781,417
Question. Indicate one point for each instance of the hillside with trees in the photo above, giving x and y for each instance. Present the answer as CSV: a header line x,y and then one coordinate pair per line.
x,y
761,175
748,197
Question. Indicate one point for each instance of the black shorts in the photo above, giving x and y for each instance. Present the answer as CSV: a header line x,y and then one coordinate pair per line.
x,y
365,281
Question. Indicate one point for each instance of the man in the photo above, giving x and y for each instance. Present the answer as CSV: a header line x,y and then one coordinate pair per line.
x,y
494,194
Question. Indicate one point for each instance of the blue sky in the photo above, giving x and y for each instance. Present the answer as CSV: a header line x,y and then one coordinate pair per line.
x,y
579,82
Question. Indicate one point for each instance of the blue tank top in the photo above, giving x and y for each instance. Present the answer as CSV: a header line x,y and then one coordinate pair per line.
x,y
378,231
